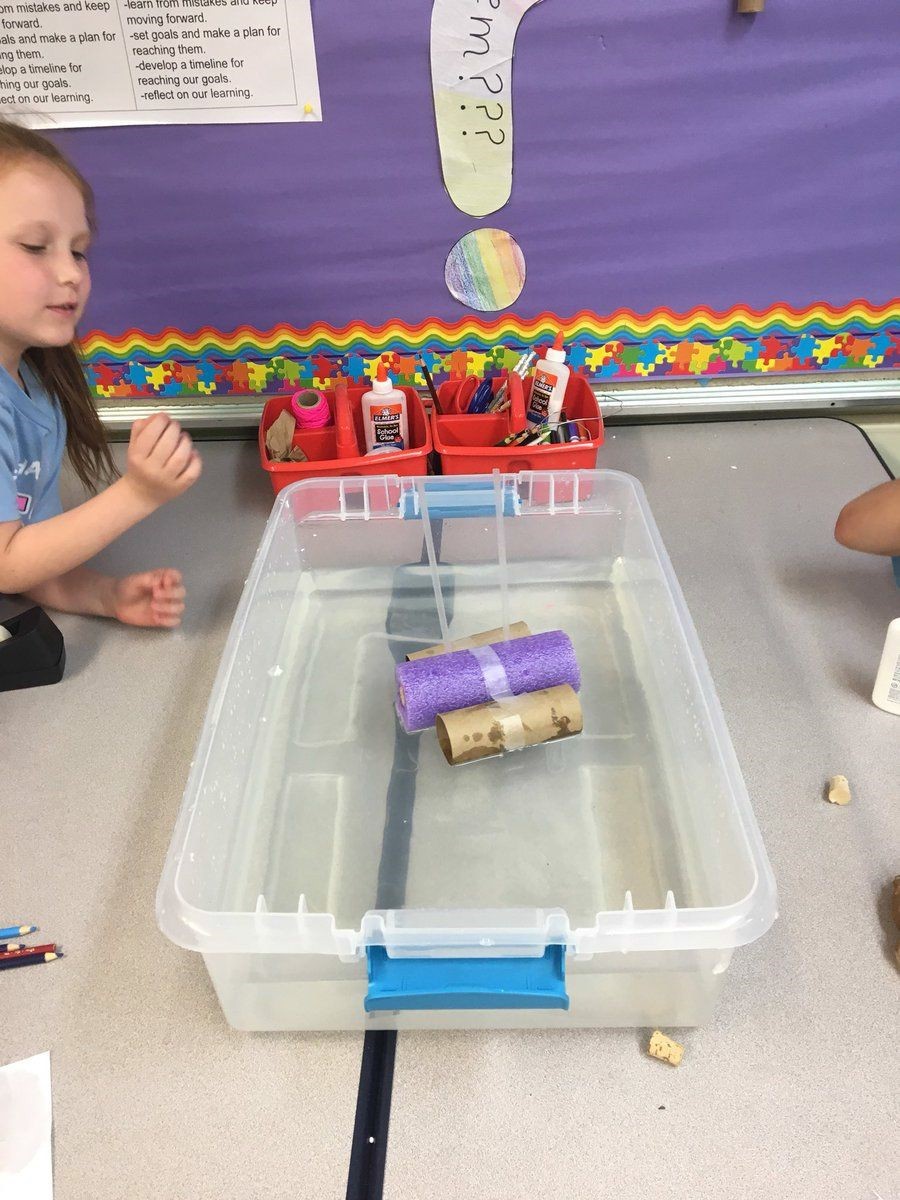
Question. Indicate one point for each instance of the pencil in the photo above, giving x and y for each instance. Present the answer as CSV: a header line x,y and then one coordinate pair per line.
x,y
4,946
18,951
523,366
430,383
26,960
14,931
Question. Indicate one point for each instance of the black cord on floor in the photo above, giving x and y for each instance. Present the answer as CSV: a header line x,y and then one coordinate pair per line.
x,y
368,1154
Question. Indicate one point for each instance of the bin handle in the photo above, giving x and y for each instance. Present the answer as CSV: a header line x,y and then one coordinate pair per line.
x,y
447,497
403,984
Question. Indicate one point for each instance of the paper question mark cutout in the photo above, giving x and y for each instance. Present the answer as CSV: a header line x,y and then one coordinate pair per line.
x,y
471,74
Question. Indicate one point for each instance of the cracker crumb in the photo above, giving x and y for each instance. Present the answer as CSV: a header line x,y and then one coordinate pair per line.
x,y
663,1048
839,790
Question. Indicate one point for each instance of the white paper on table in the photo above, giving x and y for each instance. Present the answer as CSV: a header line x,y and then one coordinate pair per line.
x,y
471,77
26,1114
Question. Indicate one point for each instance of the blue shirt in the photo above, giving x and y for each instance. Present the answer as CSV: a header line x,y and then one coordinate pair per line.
x,y
32,444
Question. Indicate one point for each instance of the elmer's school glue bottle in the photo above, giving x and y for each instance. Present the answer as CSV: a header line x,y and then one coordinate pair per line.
x,y
384,415
548,385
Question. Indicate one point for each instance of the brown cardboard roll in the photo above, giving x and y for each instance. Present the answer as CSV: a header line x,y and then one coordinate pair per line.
x,y
486,730
517,630
751,6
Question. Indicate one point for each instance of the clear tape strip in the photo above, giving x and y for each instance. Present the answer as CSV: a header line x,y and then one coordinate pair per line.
x,y
495,678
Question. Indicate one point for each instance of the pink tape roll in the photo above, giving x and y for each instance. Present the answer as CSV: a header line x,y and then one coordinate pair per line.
x,y
310,409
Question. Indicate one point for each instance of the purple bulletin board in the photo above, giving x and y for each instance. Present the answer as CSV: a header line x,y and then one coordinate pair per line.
x,y
682,175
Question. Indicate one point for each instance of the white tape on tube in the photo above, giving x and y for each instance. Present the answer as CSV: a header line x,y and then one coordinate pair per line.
x,y
493,671
513,731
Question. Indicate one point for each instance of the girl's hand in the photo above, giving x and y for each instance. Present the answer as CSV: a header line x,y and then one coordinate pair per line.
x,y
153,598
162,462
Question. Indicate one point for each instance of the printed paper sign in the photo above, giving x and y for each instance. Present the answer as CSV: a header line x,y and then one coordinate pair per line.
x,y
139,62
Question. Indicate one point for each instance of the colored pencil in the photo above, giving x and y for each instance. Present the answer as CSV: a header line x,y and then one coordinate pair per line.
x,y
26,960
523,366
539,436
50,948
430,382
4,946
14,931
515,439
499,400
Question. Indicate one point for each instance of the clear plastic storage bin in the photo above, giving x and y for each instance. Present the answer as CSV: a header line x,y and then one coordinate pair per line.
x,y
336,873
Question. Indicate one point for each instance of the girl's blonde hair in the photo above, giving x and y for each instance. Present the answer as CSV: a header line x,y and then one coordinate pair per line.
x,y
60,369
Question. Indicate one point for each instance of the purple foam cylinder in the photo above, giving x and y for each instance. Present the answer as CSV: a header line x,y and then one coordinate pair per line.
x,y
446,682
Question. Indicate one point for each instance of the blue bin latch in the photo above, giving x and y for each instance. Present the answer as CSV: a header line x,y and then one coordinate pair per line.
x,y
396,984
448,497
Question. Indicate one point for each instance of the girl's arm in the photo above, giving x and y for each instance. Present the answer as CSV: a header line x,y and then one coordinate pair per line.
x,y
871,522
80,590
161,464
152,598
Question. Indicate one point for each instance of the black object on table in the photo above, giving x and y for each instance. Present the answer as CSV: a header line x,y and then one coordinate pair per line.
x,y
368,1151
35,655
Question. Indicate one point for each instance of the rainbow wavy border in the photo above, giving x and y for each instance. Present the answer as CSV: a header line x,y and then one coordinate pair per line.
x,y
624,345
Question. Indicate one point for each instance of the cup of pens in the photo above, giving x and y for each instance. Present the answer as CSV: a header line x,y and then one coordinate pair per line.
x,y
15,952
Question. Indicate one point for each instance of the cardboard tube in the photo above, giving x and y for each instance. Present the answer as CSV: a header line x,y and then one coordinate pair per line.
x,y
487,730
751,6
517,630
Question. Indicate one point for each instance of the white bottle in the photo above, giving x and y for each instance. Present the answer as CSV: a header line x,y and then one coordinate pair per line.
x,y
384,416
886,693
548,386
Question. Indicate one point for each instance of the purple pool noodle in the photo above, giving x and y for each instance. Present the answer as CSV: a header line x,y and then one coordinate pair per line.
x,y
447,682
